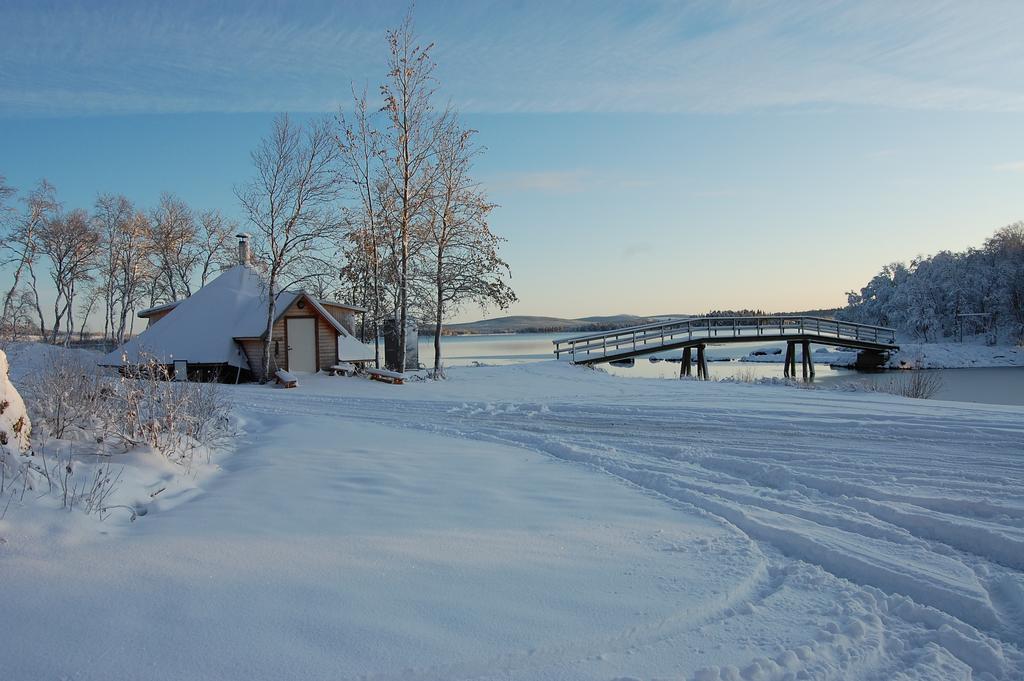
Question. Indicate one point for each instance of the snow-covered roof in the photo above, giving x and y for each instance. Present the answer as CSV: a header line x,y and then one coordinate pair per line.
x,y
347,306
157,308
202,328
150,311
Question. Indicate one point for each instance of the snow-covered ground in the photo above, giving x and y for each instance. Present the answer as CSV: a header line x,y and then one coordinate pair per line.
x,y
543,521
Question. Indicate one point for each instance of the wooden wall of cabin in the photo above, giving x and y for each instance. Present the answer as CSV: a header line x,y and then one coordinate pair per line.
x,y
344,315
157,316
253,349
327,343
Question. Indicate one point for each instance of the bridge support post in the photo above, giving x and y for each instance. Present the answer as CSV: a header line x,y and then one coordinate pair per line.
x,y
789,371
702,363
805,359
685,369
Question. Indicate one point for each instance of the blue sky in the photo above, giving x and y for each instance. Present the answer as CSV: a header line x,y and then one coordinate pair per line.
x,y
648,157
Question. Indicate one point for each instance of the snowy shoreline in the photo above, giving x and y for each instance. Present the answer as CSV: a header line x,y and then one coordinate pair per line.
x,y
913,356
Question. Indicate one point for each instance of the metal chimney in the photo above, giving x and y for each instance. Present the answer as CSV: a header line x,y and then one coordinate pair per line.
x,y
243,248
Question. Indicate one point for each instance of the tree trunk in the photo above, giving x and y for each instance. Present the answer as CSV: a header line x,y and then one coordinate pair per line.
x,y
403,296
437,334
439,313
36,303
14,288
376,344
271,305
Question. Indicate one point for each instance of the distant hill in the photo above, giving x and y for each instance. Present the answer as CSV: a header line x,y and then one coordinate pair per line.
x,y
536,324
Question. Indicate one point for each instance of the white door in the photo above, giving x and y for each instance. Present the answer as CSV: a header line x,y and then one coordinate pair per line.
x,y
301,344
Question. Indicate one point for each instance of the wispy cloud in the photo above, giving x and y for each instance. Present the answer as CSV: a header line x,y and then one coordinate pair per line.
x,y
575,181
704,56
544,181
881,154
1011,167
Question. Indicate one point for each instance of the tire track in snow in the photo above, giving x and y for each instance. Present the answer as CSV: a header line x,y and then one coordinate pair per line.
x,y
797,497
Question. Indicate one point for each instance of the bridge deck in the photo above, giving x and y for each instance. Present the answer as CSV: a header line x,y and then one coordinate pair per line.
x,y
674,334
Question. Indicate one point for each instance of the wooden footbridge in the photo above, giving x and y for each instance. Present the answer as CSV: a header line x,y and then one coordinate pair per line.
x,y
699,332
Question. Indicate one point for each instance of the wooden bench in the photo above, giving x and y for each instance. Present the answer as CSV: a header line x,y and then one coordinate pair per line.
x,y
342,369
285,379
385,376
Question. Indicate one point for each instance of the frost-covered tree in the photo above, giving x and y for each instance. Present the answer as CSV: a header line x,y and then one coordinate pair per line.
x,y
215,239
291,203
21,245
175,250
979,290
112,216
409,144
71,245
135,271
359,143
460,256
1006,247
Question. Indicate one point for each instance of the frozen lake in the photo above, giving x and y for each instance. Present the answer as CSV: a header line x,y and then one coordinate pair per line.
x,y
990,386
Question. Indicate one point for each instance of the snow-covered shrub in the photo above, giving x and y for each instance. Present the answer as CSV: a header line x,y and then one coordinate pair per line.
x,y
67,395
922,385
746,375
75,399
82,481
176,418
94,425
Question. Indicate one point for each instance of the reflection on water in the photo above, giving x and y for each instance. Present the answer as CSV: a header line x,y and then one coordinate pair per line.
x,y
992,386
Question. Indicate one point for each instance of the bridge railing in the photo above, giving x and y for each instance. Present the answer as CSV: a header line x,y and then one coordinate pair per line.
x,y
655,335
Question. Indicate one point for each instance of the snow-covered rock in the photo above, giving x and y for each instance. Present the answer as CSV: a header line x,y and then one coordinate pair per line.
x,y
15,427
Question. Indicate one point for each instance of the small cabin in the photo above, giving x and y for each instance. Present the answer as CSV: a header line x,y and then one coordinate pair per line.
x,y
220,331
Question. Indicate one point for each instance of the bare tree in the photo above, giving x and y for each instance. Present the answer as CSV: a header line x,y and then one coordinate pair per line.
x,y
291,203
361,155
175,248
6,192
135,270
85,308
71,244
111,215
462,262
21,310
409,142
215,240
21,244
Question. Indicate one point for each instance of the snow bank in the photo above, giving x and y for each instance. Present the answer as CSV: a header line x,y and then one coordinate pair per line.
x,y
911,356
28,359
820,355
955,356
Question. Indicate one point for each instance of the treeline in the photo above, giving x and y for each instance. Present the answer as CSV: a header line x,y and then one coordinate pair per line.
x,y
112,258
735,313
929,298
377,205
824,312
